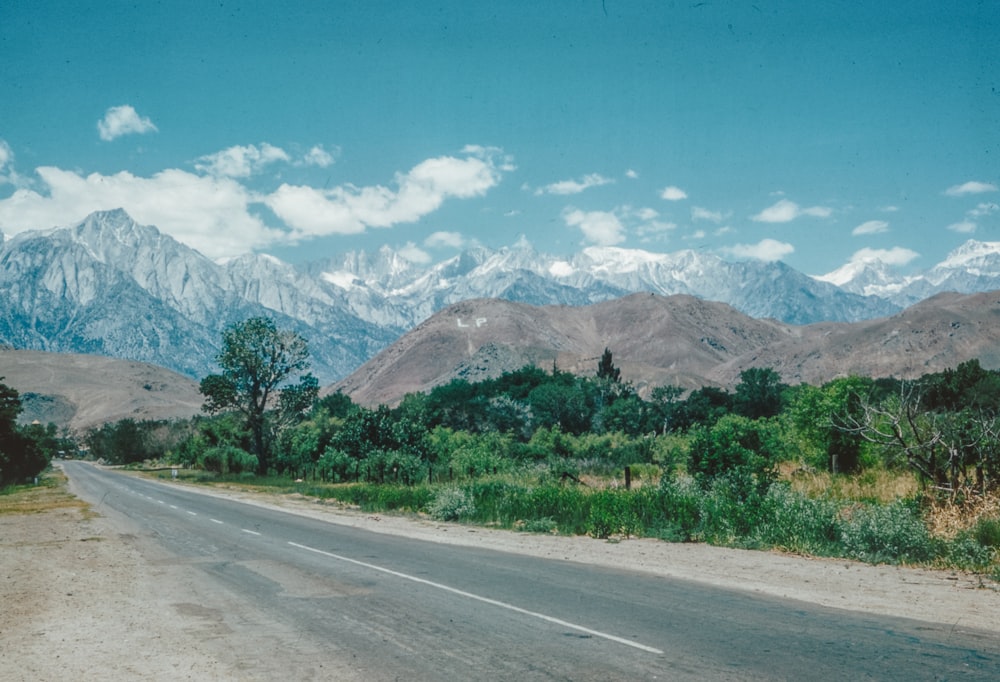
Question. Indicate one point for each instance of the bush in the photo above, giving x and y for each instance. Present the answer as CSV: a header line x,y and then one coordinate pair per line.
x,y
451,504
967,553
735,444
794,522
613,512
892,533
227,459
987,532
678,504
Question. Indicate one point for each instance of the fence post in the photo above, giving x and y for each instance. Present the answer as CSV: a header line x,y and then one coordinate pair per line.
x,y
628,478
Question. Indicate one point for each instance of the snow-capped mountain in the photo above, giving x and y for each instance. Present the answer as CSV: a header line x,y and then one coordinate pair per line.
x,y
974,266
110,286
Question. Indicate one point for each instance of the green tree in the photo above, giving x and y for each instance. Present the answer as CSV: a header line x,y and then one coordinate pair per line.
x,y
21,455
606,368
759,393
256,360
736,444
815,413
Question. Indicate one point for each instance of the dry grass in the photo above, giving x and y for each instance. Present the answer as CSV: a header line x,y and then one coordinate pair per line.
x,y
49,494
947,519
874,485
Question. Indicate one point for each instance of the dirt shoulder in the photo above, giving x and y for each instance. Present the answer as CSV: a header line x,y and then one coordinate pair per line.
x,y
84,598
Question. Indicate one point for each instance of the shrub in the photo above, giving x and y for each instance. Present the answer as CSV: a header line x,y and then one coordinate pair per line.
x,y
677,506
613,512
451,504
967,553
892,533
227,459
987,532
795,522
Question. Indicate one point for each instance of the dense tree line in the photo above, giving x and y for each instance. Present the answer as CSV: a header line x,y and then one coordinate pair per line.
x,y
942,426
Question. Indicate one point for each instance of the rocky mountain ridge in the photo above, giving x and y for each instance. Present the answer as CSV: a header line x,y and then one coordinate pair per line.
x,y
112,287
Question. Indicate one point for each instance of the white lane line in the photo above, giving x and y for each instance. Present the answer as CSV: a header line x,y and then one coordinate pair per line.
x,y
485,600
161,501
193,513
173,506
216,521
252,532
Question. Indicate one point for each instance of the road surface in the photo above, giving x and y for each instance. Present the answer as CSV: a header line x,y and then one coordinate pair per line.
x,y
384,607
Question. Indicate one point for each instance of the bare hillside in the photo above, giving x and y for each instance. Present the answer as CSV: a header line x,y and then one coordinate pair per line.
x,y
80,391
678,340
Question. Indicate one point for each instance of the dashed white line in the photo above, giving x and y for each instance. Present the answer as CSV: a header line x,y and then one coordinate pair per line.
x,y
193,513
216,521
485,600
252,532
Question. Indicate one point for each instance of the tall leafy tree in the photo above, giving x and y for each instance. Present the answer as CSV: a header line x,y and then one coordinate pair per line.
x,y
759,393
606,368
21,455
257,359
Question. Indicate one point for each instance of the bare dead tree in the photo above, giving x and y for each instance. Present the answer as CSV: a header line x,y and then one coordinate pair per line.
x,y
940,446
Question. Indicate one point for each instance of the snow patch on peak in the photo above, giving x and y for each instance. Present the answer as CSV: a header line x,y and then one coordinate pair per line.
x,y
342,279
561,268
969,252
844,274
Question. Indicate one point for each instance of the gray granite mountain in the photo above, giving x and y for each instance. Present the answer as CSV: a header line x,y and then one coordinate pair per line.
x,y
110,286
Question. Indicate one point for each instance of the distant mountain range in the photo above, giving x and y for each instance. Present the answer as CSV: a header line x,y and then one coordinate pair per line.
x,y
109,286
677,340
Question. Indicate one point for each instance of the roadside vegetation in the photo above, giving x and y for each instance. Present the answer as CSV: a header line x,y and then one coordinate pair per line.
x,y
882,471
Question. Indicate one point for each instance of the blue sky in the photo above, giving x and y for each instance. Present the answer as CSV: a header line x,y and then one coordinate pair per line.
x,y
810,132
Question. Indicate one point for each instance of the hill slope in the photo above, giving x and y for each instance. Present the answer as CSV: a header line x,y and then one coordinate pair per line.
x,y
80,391
679,340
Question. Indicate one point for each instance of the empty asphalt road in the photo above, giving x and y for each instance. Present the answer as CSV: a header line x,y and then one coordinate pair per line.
x,y
388,607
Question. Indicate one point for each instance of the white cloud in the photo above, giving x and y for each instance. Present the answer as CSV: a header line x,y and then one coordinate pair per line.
x,y
631,174
421,190
6,155
123,120
785,211
964,227
317,156
213,213
208,213
650,226
970,187
699,213
673,193
871,227
894,256
414,254
602,228
565,187
982,210
452,240
241,161
8,176
766,250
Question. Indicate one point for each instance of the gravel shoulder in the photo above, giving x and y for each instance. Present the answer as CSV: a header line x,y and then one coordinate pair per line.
x,y
86,599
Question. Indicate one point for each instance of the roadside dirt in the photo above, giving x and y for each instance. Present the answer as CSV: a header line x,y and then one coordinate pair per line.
x,y
84,599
